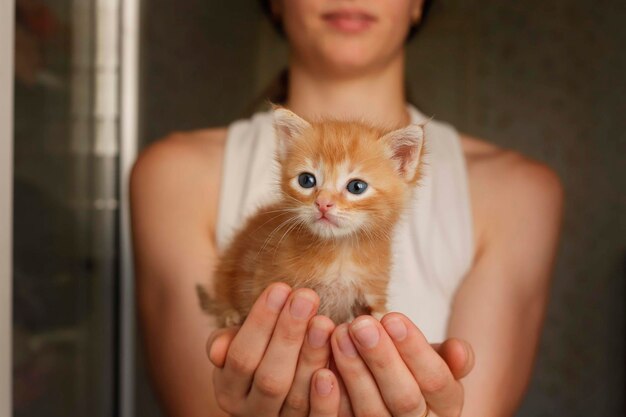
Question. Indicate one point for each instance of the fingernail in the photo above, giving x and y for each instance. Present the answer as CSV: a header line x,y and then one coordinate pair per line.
x,y
317,337
323,384
396,329
277,297
301,307
366,333
345,343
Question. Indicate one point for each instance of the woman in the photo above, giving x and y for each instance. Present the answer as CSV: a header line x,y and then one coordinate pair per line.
x,y
477,264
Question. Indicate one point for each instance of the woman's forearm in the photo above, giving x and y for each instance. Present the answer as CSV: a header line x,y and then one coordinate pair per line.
x,y
174,336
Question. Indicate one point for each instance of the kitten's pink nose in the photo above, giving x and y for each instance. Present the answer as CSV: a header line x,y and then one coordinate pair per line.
x,y
323,204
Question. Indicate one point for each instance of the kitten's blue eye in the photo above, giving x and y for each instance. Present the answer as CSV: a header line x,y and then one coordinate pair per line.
x,y
357,186
306,180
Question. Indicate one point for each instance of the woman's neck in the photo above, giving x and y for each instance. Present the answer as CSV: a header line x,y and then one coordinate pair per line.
x,y
378,96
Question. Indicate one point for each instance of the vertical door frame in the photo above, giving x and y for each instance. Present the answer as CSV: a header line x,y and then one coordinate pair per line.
x,y
7,21
129,142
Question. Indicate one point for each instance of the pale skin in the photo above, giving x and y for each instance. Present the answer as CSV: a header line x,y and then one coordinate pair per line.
x,y
271,365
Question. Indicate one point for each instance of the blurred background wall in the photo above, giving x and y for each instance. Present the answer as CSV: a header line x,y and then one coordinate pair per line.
x,y
544,77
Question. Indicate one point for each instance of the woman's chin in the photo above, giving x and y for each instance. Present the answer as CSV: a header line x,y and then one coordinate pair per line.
x,y
348,66
351,58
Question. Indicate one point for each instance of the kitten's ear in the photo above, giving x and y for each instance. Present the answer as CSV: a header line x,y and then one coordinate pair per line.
x,y
406,146
289,126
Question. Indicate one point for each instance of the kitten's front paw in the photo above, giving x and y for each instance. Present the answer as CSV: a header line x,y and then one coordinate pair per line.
x,y
231,317
378,314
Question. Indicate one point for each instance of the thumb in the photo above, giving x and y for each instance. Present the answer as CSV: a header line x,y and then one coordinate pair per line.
x,y
458,355
218,343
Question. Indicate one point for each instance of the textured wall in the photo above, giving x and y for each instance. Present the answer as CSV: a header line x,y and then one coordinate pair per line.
x,y
546,78
197,63
543,77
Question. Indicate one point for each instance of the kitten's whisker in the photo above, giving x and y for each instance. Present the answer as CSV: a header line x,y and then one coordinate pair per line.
x,y
283,209
266,222
269,237
291,226
284,194
296,223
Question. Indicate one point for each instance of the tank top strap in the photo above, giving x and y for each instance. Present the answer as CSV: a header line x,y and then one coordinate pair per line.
x,y
249,172
445,199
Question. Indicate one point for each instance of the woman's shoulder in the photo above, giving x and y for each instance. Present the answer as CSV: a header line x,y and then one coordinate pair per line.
x,y
193,146
489,164
507,186
181,169
197,150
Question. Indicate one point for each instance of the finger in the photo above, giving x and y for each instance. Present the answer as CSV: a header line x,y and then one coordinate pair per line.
x,y
345,408
275,374
218,343
442,392
458,355
397,385
313,356
232,382
364,394
324,394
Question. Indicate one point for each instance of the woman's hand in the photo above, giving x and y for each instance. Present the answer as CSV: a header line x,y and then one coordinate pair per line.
x,y
394,372
267,367
389,368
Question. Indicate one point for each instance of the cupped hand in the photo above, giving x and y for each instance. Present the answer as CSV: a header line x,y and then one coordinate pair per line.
x,y
389,368
274,364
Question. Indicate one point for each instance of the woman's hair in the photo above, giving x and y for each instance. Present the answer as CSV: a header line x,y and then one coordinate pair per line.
x,y
276,92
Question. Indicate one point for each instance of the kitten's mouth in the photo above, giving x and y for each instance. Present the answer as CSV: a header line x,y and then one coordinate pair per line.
x,y
328,220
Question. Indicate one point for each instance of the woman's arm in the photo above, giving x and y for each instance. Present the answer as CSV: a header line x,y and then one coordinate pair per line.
x,y
174,194
500,305
498,308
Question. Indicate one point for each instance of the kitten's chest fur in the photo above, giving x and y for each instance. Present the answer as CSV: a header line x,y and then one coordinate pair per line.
x,y
342,284
349,276
348,281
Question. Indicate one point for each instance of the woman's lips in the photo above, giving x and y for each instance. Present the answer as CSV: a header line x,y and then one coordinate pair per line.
x,y
349,21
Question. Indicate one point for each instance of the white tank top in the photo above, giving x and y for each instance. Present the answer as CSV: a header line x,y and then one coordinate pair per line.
x,y
433,246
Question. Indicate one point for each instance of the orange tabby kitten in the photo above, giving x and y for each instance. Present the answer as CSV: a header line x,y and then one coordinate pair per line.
x,y
343,188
